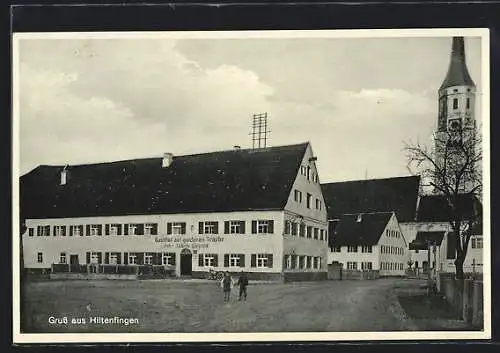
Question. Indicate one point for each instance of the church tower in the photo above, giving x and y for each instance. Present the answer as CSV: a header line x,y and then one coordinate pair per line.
x,y
457,96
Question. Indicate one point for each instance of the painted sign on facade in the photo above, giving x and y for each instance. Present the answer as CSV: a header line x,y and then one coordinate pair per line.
x,y
194,242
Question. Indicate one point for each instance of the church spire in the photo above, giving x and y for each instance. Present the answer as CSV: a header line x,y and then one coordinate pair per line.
x,y
457,75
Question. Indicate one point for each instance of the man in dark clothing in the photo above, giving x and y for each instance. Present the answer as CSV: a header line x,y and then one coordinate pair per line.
x,y
243,283
226,286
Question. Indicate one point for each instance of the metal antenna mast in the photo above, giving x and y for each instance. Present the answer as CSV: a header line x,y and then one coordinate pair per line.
x,y
259,131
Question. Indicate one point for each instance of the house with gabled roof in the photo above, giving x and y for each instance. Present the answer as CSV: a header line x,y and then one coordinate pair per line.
x,y
225,211
368,242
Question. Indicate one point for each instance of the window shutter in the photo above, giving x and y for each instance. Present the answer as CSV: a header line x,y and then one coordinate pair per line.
x,y
270,260
118,258
140,229
216,227
183,228
242,226
88,229
200,227
253,260
88,257
226,260
99,229
200,260
70,231
254,227
125,258
174,256
169,228
293,261
226,227
63,229
54,230
242,260
216,260
81,230
271,227
99,258
140,258
125,229
106,229
154,231
106,258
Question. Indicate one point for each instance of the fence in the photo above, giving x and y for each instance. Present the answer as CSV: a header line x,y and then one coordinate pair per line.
x,y
465,296
140,271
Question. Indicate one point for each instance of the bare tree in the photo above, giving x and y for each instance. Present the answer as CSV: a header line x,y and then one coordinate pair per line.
x,y
451,167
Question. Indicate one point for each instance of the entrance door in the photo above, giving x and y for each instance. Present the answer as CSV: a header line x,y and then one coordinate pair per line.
x,y
73,263
186,262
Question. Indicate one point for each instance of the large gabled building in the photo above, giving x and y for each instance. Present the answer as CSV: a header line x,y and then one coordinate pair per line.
x,y
228,211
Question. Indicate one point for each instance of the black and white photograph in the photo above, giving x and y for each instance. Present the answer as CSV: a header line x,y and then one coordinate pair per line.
x,y
251,185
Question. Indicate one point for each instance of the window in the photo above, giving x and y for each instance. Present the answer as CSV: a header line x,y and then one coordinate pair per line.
x,y
309,262
309,231
416,264
455,103
303,170
262,260
263,227
76,231
467,104
30,232
43,231
366,265
113,229
352,265
309,198
95,229
59,231
322,234
288,261
113,259
477,243
149,229
288,227
301,261
235,260
62,258
315,232
177,228
148,259
94,258
387,232
209,227
168,259
302,230
209,259
132,259
352,248
39,257
297,196
366,248
294,228
316,262
308,173
337,249
318,204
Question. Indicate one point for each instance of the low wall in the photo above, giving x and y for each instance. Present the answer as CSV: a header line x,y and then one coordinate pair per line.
x,y
91,276
252,276
305,276
466,296
360,275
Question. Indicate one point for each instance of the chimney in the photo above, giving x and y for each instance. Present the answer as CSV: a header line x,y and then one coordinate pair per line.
x,y
167,160
64,175
236,147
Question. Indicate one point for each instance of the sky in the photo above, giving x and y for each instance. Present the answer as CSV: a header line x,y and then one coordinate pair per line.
x,y
357,100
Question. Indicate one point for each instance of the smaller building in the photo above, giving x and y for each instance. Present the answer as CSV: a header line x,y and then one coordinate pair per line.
x,y
368,242
420,257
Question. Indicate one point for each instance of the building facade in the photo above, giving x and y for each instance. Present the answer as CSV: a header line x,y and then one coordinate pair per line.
x,y
223,211
369,242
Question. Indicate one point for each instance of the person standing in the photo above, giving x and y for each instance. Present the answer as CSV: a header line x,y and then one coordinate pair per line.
x,y
243,283
226,286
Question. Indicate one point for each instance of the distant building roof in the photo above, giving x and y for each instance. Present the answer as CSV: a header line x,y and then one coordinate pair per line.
x,y
233,180
420,242
348,231
457,74
435,208
399,195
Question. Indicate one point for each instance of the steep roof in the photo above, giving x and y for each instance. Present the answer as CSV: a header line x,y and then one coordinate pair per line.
x,y
458,74
348,231
435,208
399,195
233,180
420,242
